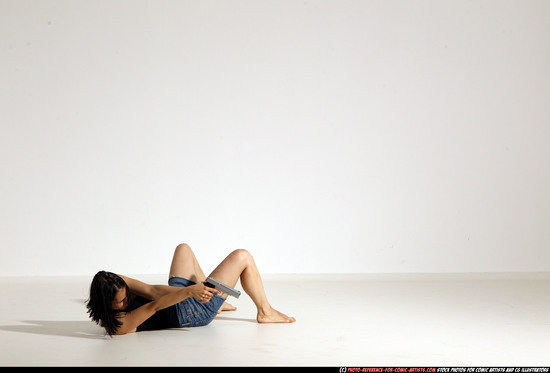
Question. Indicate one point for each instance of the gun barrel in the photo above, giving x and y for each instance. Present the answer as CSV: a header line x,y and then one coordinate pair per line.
x,y
222,287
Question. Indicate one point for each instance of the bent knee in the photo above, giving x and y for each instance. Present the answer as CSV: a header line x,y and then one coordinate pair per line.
x,y
183,247
243,255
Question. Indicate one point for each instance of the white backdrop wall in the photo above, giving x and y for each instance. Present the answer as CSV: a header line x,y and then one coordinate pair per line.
x,y
323,136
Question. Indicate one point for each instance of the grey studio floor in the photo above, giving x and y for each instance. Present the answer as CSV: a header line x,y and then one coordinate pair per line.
x,y
342,320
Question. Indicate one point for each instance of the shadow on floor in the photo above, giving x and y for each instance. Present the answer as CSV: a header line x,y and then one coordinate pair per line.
x,y
77,329
235,319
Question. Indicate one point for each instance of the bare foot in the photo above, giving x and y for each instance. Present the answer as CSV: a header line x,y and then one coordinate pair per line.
x,y
227,307
274,316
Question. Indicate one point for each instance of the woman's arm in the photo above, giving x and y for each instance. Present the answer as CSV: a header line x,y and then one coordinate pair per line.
x,y
139,288
131,320
152,292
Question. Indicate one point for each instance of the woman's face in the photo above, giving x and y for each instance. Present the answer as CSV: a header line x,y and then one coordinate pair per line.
x,y
120,300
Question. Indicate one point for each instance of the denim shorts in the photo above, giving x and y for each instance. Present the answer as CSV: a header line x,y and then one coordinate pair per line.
x,y
191,312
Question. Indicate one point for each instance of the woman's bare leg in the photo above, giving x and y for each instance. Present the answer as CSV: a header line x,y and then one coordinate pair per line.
x,y
240,265
185,264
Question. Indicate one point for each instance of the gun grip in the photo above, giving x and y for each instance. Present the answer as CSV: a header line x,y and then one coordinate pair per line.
x,y
208,284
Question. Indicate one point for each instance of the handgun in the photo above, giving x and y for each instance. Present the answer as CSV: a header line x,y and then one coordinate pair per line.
x,y
213,283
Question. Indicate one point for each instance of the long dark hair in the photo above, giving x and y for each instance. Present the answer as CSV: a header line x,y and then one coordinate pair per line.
x,y
103,289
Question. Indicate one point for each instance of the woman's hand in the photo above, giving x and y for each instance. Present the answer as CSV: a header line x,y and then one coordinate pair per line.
x,y
202,292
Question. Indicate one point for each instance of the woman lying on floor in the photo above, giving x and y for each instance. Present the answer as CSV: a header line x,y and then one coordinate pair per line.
x,y
123,305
